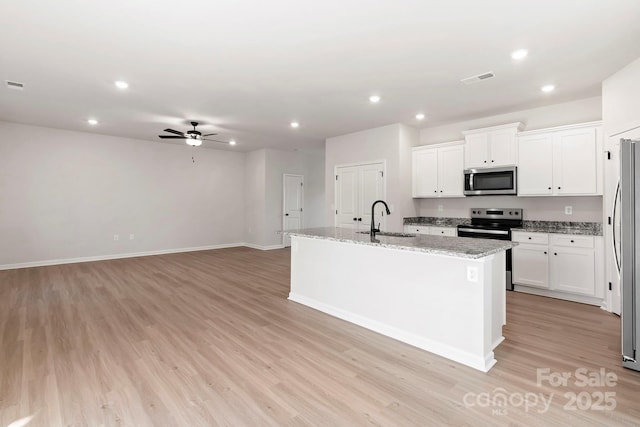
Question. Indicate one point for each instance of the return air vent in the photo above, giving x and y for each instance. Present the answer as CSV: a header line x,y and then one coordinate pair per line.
x,y
14,85
478,78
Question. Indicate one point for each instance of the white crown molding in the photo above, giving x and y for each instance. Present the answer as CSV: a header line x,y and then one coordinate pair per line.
x,y
439,145
516,125
561,128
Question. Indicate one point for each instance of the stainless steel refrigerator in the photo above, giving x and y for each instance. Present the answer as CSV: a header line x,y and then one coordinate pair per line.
x,y
630,251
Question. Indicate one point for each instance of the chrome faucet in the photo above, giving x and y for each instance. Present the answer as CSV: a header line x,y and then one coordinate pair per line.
x,y
375,230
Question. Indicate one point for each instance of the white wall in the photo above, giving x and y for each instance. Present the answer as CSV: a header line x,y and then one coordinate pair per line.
x,y
64,195
390,143
264,170
535,208
254,197
584,110
621,99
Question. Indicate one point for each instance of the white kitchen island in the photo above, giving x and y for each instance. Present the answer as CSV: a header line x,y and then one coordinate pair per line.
x,y
445,295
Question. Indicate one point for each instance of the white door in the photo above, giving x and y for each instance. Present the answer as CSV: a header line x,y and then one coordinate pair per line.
x,y
425,173
531,265
293,201
535,165
573,270
451,172
475,153
371,188
347,209
575,162
502,148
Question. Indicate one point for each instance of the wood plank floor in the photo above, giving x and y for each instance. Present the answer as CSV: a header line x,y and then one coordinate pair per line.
x,y
208,338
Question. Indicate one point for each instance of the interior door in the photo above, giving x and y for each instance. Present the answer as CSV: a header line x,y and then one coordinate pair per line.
x,y
293,200
347,209
370,189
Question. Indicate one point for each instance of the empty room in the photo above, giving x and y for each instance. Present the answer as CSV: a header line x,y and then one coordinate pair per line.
x,y
243,213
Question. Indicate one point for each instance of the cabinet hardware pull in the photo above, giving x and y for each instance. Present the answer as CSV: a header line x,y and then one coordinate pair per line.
x,y
558,188
549,188
545,252
529,238
572,241
555,253
355,219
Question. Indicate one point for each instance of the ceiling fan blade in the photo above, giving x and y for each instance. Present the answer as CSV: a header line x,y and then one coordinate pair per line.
x,y
210,134
171,137
174,131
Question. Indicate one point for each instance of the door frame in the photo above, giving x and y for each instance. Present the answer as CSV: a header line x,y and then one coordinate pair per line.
x,y
284,202
345,165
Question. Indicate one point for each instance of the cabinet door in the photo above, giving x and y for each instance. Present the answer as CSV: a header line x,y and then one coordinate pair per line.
x,y
425,173
451,171
443,231
347,197
475,153
502,148
535,165
416,229
370,189
575,162
531,265
573,270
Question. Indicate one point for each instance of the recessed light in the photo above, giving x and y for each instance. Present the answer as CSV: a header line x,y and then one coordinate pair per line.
x,y
374,99
548,88
121,84
519,54
419,116
232,142
92,122
295,124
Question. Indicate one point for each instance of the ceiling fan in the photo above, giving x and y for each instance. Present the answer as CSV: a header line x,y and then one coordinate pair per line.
x,y
193,137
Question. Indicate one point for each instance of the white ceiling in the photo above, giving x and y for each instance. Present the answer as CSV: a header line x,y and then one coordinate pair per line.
x,y
248,68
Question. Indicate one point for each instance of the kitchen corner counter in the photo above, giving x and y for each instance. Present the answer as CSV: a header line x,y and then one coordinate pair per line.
x,y
562,227
461,247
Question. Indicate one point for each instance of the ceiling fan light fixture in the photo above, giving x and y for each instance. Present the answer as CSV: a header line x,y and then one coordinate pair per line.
x,y
193,141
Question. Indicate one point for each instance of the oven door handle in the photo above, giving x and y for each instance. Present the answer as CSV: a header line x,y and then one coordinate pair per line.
x,y
479,231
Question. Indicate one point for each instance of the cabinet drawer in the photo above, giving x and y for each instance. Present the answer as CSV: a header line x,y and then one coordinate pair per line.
x,y
570,240
417,229
443,231
525,237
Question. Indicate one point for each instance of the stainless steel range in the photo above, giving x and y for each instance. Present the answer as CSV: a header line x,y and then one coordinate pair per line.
x,y
493,223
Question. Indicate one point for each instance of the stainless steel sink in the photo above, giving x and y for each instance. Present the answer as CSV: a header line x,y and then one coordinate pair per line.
x,y
390,234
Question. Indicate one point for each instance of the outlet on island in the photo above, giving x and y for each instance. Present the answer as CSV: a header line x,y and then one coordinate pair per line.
x,y
568,210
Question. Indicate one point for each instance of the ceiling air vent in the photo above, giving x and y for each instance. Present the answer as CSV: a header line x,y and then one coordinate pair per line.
x,y
14,85
478,78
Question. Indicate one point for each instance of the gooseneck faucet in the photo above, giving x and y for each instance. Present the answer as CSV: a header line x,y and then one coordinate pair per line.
x,y
375,230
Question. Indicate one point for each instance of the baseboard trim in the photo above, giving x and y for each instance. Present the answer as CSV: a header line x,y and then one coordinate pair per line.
x,y
116,256
263,247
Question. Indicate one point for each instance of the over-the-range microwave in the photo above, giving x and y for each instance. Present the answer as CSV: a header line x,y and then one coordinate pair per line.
x,y
488,181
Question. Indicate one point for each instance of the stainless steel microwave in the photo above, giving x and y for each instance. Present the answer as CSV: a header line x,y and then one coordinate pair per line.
x,y
488,181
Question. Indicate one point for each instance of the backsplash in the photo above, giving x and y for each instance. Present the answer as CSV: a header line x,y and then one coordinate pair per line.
x,y
585,209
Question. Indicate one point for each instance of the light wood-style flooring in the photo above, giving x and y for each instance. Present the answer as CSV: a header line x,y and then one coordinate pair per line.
x,y
209,338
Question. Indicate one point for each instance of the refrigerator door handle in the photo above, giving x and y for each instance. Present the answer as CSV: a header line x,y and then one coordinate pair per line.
x,y
614,213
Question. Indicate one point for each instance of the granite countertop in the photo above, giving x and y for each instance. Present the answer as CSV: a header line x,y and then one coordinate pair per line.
x,y
562,227
436,221
462,247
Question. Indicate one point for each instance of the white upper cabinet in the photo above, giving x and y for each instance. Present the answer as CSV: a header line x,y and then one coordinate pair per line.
x,y
491,147
438,170
563,161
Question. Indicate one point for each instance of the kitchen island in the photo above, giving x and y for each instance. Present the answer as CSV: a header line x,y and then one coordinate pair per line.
x,y
445,295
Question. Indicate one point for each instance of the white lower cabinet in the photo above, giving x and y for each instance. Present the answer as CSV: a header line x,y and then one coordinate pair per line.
x,y
435,231
559,265
531,265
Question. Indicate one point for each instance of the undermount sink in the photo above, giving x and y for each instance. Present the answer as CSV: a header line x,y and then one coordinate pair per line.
x,y
389,233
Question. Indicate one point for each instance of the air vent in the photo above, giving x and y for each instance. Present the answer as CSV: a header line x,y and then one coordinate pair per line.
x,y
478,78
14,85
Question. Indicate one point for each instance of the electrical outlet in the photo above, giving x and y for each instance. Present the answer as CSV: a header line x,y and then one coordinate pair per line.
x,y
132,236
472,274
440,208
568,210
116,237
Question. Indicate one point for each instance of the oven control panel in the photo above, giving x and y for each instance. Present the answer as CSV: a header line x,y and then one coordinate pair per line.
x,y
496,213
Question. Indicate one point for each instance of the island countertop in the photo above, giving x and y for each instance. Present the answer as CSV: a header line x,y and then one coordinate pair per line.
x,y
462,247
